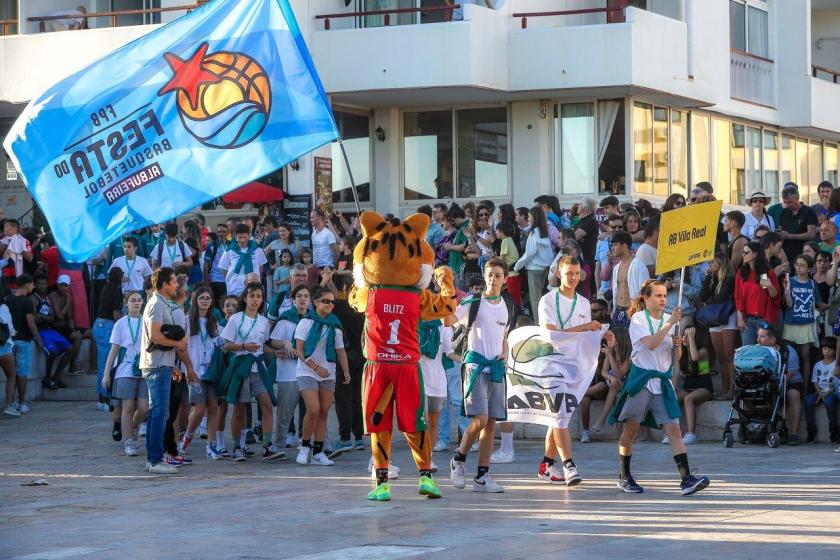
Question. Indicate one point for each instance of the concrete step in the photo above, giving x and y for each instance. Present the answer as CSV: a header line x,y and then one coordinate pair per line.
x,y
80,388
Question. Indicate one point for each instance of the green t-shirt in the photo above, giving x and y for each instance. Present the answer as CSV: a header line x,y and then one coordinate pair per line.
x,y
456,259
775,212
510,254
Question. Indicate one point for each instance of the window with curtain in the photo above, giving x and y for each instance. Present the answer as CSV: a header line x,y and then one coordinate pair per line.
x,y
574,133
802,170
355,131
737,165
771,165
721,160
748,28
482,152
642,148
830,160
660,151
738,25
788,161
752,163
815,174
679,152
427,155
700,157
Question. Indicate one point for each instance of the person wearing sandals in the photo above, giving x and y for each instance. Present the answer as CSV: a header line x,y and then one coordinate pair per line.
x,y
697,385
128,389
648,394
319,343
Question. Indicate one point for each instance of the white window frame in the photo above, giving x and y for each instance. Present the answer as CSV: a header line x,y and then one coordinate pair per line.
x,y
554,145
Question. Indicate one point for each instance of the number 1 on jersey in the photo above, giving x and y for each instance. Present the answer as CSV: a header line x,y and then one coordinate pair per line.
x,y
395,327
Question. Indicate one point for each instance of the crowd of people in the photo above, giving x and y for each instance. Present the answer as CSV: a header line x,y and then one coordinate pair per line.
x,y
186,323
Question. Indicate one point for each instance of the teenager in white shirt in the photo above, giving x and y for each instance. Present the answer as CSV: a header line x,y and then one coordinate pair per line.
x,y
435,342
324,241
170,251
648,394
135,268
243,257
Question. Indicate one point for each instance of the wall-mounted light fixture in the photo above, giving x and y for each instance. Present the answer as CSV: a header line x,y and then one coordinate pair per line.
x,y
295,164
380,134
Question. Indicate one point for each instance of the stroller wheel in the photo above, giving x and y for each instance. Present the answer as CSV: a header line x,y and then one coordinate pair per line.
x,y
773,440
728,440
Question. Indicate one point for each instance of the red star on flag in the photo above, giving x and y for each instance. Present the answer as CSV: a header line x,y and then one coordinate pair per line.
x,y
189,75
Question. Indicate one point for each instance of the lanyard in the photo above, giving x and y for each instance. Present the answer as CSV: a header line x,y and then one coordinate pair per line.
x,y
133,332
171,253
557,305
650,323
239,330
205,335
130,267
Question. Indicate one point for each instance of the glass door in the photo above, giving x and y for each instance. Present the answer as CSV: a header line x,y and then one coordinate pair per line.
x,y
395,19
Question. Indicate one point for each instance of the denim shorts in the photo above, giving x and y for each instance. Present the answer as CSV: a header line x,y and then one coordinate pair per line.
x,y
23,357
7,348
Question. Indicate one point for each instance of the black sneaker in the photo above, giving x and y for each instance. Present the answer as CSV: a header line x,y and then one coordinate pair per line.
x,y
116,433
249,437
693,484
248,451
812,435
627,484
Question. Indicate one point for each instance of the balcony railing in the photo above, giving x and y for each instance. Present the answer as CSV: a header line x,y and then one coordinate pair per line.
x,y
751,78
386,14
613,14
6,26
113,16
825,73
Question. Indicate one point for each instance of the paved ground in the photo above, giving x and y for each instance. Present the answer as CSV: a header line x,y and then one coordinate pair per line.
x,y
763,503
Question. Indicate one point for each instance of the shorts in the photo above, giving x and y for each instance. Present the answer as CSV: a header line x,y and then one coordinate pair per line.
x,y
800,334
435,404
693,382
406,380
799,386
486,398
207,394
23,357
637,406
620,319
129,389
7,348
307,383
731,325
54,342
64,331
251,386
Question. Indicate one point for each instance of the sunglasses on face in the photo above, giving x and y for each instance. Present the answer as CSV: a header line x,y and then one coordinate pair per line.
x,y
327,301
483,215
745,253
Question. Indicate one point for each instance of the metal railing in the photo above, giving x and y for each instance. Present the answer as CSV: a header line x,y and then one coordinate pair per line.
x,y
387,14
610,12
817,70
113,16
751,78
6,25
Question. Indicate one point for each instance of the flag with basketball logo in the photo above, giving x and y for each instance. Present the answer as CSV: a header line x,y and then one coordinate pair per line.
x,y
548,373
211,101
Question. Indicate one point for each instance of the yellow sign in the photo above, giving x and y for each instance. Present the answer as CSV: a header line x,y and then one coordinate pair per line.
x,y
687,236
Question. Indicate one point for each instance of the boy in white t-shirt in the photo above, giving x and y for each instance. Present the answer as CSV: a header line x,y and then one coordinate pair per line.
x,y
242,258
825,391
135,268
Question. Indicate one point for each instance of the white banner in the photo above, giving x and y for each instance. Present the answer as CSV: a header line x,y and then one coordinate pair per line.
x,y
548,373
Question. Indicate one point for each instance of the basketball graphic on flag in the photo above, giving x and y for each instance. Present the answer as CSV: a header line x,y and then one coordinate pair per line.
x,y
223,98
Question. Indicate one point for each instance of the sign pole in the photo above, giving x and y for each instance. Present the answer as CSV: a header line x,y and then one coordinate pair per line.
x,y
679,299
350,175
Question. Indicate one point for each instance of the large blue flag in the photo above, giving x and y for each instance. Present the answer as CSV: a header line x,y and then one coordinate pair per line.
x,y
183,115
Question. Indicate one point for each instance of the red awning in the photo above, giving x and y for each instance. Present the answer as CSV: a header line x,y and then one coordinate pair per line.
x,y
255,192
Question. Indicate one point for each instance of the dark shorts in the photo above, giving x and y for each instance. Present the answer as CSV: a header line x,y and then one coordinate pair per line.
x,y
693,382
620,319
798,386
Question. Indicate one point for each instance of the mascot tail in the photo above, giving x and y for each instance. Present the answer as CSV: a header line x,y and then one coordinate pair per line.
x,y
384,400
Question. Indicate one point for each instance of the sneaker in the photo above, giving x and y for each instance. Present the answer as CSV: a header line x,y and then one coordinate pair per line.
x,y
116,432
330,452
629,485
212,453
474,448
142,431
11,411
291,441
433,467
585,436
500,457
551,474
172,461
249,437
202,428
487,484
393,471
689,438
130,448
342,445
428,487
184,445
458,473
223,452
692,484
238,455
183,459
162,468
303,456
248,451
382,493
570,473
359,444
271,452
441,446
666,440
101,407
321,460
24,408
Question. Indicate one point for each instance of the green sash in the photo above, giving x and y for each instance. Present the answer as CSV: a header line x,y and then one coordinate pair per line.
x,y
246,263
636,381
330,322
496,367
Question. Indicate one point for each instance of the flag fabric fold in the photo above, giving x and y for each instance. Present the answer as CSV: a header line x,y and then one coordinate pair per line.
x,y
215,99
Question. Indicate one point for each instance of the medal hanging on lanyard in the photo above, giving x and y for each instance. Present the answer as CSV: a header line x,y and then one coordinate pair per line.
x,y
171,253
239,330
134,332
557,306
205,354
130,267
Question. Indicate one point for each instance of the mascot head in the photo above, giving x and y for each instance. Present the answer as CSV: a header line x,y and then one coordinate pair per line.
x,y
393,253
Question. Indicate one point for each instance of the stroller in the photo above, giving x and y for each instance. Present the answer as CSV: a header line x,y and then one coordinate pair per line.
x,y
759,405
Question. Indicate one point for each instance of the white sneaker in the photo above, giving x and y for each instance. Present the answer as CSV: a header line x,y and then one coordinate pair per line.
x,y
585,436
131,448
570,473
458,473
665,440
321,460
474,447
202,428
23,408
441,446
291,441
487,484
393,471
142,431
303,456
163,468
11,411
500,457
433,467
689,438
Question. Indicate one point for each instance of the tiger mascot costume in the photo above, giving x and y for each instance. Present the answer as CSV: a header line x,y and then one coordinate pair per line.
x,y
392,269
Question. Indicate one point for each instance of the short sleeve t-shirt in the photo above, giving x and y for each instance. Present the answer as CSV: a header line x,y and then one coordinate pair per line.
x,y
487,334
322,254
134,272
201,347
434,376
658,359
646,254
241,329
587,242
805,297
796,224
20,307
822,374
167,254
573,312
157,310
286,368
126,334
235,282
319,356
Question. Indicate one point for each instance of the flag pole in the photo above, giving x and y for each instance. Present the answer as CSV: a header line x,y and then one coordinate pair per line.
x,y
679,299
350,174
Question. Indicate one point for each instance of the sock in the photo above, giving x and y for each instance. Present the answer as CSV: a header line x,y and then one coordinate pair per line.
x,y
568,463
426,472
507,442
306,443
220,440
460,457
242,435
482,471
382,476
319,447
548,460
682,464
624,465
266,438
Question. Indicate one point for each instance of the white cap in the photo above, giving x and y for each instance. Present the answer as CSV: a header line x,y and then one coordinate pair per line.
x,y
64,279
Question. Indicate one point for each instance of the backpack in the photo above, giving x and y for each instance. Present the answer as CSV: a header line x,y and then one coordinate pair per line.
x,y
160,248
462,333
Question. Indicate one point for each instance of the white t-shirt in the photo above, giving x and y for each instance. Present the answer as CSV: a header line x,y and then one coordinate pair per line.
x,y
241,329
322,254
822,374
581,315
236,282
126,334
487,334
658,359
434,376
637,275
646,254
200,350
6,319
170,253
319,356
750,223
135,272
286,367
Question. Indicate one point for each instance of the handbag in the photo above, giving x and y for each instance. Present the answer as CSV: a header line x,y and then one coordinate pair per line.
x,y
715,314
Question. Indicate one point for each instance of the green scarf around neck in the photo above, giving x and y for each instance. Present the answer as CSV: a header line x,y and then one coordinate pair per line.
x,y
430,338
246,262
330,322
291,315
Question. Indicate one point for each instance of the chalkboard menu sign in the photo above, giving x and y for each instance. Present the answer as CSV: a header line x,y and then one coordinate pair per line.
x,y
296,210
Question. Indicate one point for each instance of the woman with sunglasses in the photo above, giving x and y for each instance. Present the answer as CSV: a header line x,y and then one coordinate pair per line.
x,y
673,202
757,215
757,293
319,343
482,234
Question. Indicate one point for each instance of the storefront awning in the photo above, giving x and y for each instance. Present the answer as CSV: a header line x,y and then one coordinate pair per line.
x,y
255,193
